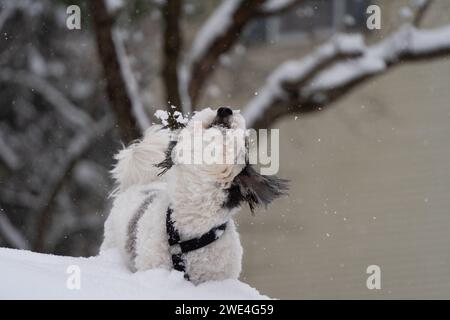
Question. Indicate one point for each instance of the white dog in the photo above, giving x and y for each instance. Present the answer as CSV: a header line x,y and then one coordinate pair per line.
x,y
182,217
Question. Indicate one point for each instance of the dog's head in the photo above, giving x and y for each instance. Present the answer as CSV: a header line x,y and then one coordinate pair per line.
x,y
213,146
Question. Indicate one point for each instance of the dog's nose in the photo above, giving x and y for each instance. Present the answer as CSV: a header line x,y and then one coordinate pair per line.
x,y
224,112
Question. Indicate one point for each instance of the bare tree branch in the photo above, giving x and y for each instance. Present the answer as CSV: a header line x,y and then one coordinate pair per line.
x,y
217,36
221,32
11,234
131,83
6,13
171,12
76,149
333,82
76,117
22,198
284,83
116,87
421,11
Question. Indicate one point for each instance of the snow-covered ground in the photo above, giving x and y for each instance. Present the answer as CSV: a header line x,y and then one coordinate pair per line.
x,y
29,275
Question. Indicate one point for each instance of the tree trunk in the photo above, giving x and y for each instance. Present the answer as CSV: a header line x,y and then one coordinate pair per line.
x,y
115,83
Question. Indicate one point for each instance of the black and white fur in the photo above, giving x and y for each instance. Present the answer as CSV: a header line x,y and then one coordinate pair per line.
x,y
201,197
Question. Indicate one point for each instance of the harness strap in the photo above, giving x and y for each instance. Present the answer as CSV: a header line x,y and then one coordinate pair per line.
x,y
178,247
207,238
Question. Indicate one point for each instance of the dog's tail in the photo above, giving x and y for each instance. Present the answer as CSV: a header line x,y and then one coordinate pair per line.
x,y
136,164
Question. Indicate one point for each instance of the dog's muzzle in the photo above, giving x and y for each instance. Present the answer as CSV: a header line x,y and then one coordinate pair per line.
x,y
223,118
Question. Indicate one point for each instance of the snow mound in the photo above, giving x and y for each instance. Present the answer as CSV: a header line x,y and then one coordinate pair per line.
x,y
29,275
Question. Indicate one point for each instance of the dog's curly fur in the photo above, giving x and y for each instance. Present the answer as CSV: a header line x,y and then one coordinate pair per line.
x,y
201,197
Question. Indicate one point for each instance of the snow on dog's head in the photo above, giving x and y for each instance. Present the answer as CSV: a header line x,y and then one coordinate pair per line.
x,y
212,144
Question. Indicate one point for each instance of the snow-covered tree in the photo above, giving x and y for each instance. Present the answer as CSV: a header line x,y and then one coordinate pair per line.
x,y
53,182
298,86
58,128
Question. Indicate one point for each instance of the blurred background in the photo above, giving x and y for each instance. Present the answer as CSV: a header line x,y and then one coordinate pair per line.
x,y
364,131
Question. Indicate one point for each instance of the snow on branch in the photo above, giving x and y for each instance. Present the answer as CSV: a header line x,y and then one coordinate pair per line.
x,y
28,7
422,8
407,44
75,116
8,155
294,74
273,7
131,83
11,234
338,78
5,14
113,68
219,33
217,24
113,6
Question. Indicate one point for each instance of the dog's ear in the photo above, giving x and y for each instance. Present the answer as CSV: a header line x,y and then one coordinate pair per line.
x,y
257,189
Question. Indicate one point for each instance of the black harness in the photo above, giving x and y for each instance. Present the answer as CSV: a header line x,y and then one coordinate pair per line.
x,y
178,247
